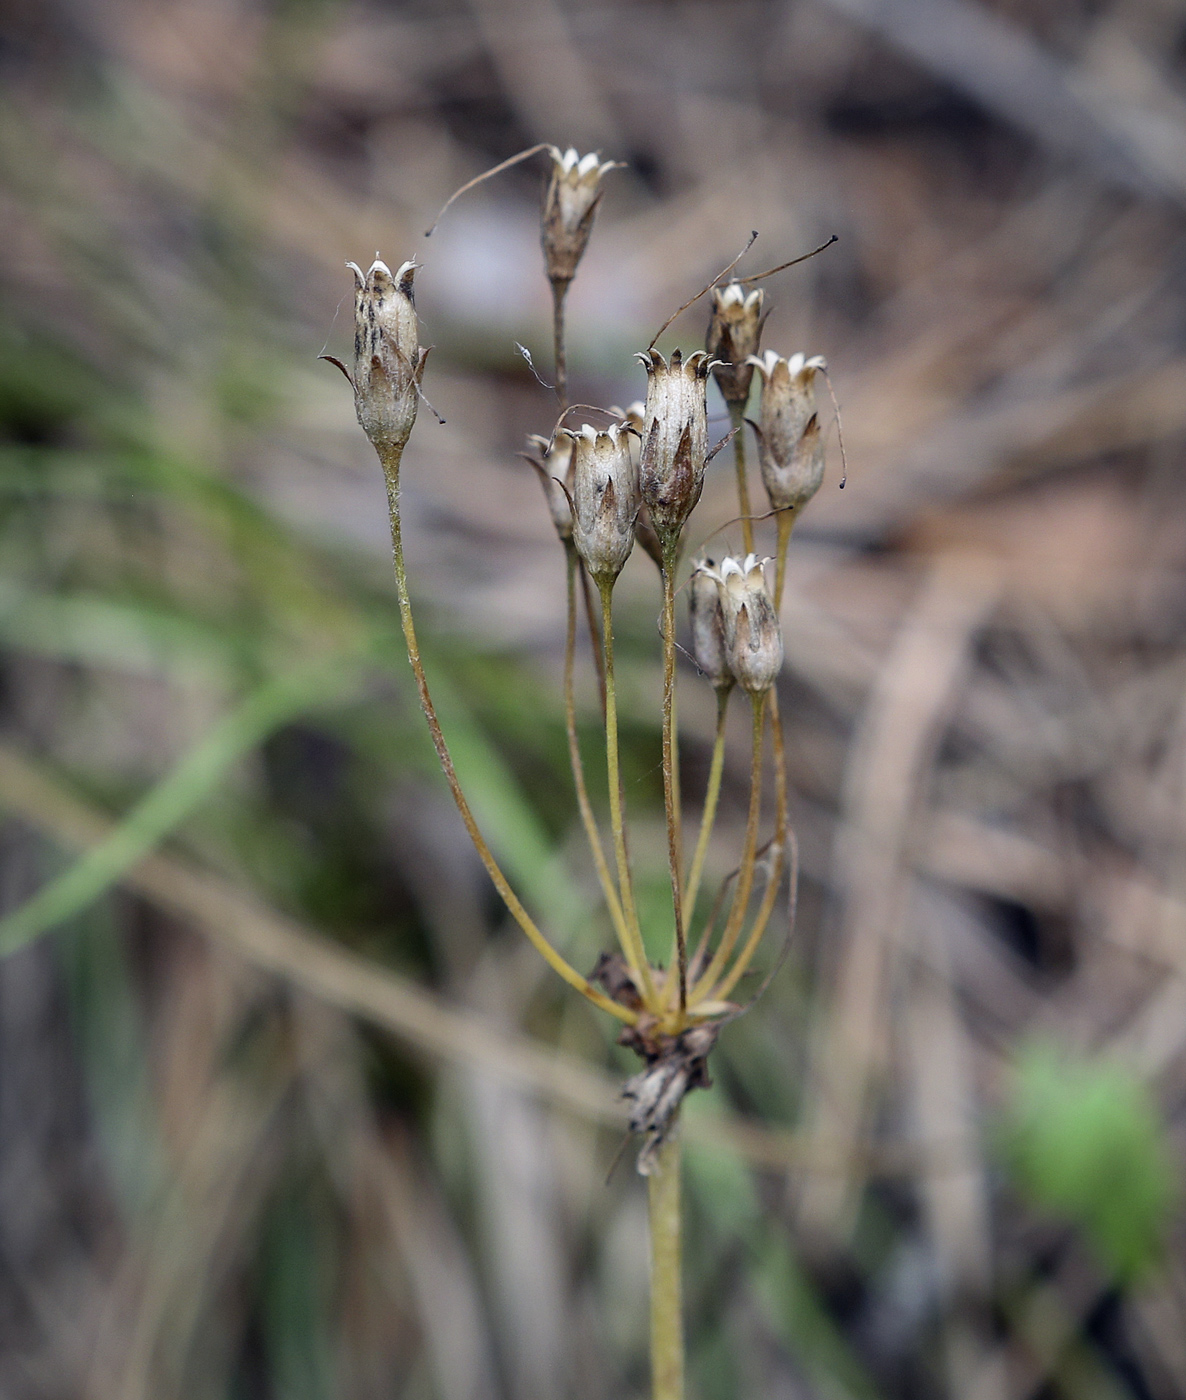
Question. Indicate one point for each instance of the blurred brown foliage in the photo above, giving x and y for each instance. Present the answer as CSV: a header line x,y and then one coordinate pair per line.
x,y
285,1111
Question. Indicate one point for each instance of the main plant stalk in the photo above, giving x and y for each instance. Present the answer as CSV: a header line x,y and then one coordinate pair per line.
x,y
667,1323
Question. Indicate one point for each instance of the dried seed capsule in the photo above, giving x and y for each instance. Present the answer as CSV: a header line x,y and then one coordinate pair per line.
x,y
791,444
553,465
753,639
708,626
675,440
570,205
605,499
388,361
733,335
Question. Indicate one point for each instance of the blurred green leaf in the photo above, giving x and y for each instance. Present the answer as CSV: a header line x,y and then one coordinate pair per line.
x,y
719,1181
296,1278
1085,1141
504,812
107,1025
100,631
800,1320
170,801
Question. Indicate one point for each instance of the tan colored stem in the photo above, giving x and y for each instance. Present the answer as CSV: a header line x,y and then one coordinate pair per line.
x,y
670,778
698,958
667,1323
766,908
786,523
737,419
390,459
594,633
634,949
606,879
786,520
559,297
711,797
745,877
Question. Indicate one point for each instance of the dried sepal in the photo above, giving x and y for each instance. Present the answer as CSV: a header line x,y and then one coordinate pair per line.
x,y
613,973
633,419
633,416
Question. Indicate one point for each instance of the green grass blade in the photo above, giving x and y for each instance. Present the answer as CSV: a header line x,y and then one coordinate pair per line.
x,y
171,801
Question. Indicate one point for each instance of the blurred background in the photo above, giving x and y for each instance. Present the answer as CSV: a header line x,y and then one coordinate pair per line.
x,y
287,1109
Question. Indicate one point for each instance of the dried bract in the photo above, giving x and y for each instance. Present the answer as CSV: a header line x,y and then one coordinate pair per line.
x,y
675,1066
613,973
553,465
675,440
708,627
605,499
791,444
570,205
388,361
634,415
733,335
753,638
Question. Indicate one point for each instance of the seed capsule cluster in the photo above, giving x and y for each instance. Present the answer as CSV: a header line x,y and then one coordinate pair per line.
x,y
638,477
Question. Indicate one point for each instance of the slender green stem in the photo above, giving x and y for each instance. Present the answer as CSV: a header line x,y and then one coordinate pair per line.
x,y
634,950
667,1323
276,702
391,463
786,520
697,959
737,419
677,805
786,523
766,908
745,877
606,879
594,633
670,777
559,297
711,797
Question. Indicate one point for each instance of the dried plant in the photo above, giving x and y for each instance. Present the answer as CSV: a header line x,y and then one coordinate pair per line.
x,y
904,1182
641,477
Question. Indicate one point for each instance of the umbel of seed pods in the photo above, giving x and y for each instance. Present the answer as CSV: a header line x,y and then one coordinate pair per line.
x,y
637,479
640,479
